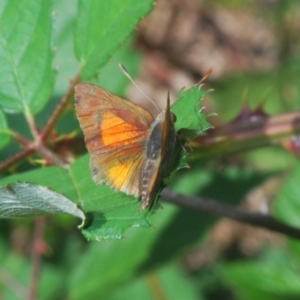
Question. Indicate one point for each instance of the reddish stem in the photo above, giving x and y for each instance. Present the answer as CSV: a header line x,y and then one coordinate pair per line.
x,y
8,280
37,251
21,139
15,158
249,133
59,109
38,145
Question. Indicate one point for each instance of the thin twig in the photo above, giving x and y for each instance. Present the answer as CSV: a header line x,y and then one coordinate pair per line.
x,y
38,240
248,133
40,137
238,214
51,157
18,137
11,282
31,123
4,165
59,109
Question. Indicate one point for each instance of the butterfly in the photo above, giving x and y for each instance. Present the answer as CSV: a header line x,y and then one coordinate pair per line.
x,y
129,148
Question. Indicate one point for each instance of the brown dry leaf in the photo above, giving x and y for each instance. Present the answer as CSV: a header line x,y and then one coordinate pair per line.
x,y
198,37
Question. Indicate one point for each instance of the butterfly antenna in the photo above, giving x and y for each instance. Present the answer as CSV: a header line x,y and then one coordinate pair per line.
x,y
129,77
206,75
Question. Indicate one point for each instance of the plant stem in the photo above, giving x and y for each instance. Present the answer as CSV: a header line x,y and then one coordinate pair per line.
x,y
15,158
59,109
50,156
246,134
15,286
39,142
38,241
31,123
238,214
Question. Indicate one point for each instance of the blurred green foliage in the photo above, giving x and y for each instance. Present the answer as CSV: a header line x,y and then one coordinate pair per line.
x,y
147,263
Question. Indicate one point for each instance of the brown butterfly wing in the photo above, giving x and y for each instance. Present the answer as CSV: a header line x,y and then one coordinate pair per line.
x,y
116,132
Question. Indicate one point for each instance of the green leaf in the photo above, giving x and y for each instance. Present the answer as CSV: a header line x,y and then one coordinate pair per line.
x,y
275,274
26,75
27,200
55,178
111,212
170,280
4,137
140,252
190,122
118,261
100,28
188,111
286,205
65,15
127,56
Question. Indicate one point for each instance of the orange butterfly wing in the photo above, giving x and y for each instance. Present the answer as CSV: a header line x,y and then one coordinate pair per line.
x,y
116,132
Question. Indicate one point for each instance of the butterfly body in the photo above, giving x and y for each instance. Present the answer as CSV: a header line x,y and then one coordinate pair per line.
x,y
127,146
159,147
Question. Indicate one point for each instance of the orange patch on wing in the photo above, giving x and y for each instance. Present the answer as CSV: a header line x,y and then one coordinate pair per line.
x,y
119,175
114,131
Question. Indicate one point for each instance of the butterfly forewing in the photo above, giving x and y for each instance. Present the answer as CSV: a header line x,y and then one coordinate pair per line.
x,y
116,132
